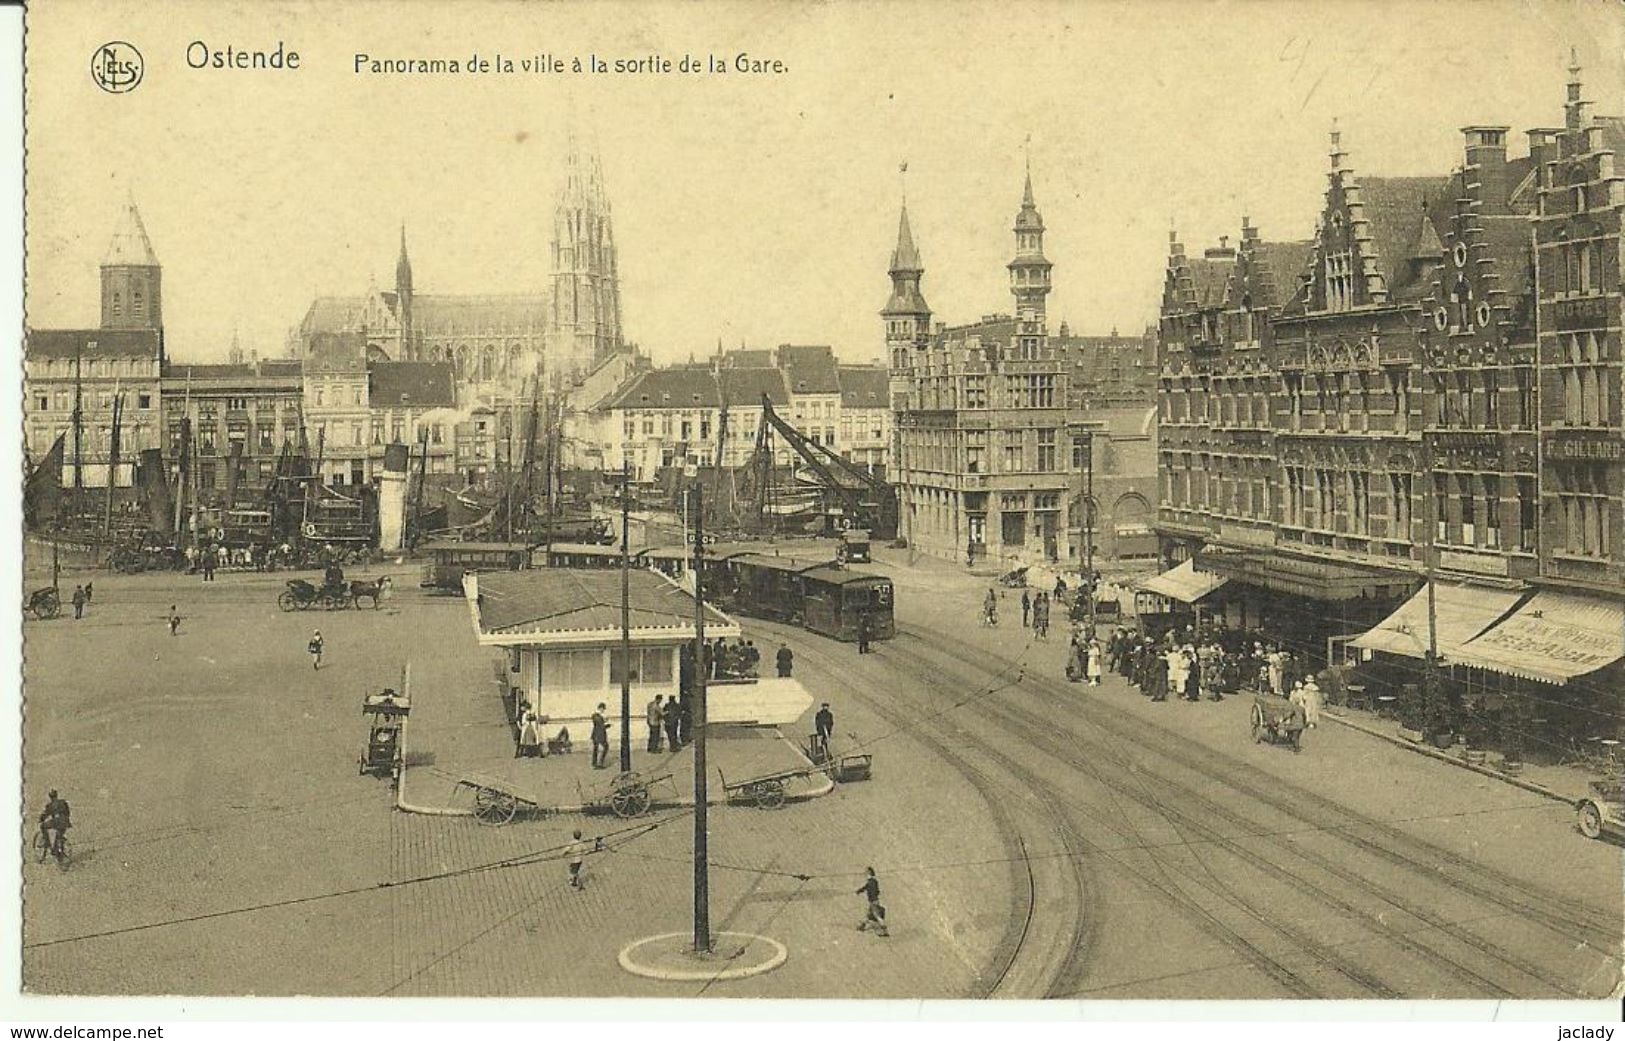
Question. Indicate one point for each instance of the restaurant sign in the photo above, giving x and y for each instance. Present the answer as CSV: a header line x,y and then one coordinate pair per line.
x,y
1595,449
1472,563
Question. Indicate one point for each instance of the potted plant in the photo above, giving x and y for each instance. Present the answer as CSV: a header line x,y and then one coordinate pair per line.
x,y
1438,722
1475,733
1409,710
1512,737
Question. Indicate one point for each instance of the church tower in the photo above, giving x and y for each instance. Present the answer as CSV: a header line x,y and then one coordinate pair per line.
x,y
403,302
1030,270
132,283
585,323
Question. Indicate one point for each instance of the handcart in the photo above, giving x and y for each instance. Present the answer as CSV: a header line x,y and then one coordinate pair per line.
x,y
1278,719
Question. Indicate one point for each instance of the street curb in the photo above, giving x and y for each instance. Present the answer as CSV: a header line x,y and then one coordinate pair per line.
x,y
550,811
1434,753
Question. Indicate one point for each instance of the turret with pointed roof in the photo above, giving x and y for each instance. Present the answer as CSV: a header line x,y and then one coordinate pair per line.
x,y
1030,270
403,301
132,283
906,302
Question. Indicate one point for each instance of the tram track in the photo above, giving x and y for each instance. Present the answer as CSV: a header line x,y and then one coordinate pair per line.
x,y
1018,968
1442,943
1247,938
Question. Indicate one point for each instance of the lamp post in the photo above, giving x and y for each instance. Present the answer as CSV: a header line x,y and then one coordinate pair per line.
x,y
702,881
626,627
1089,525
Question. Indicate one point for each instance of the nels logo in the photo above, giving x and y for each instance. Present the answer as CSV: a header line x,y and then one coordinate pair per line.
x,y
116,67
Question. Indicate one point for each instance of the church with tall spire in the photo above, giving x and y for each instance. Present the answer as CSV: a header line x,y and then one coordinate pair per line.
x,y
501,343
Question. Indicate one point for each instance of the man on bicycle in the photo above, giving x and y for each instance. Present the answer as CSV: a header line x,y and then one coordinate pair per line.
x,y
54,822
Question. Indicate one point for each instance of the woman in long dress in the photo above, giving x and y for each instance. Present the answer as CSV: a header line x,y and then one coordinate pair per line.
x,y
1312,701
1094,663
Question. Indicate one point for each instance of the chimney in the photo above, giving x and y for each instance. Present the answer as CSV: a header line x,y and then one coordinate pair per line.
x,y
1223,251
1487,167
1542,148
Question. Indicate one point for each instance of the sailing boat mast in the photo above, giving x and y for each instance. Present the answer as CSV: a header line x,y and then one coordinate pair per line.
x,y
113,460
78,426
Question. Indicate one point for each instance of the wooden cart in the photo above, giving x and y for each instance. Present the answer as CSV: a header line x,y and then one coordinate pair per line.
x,y
1278,719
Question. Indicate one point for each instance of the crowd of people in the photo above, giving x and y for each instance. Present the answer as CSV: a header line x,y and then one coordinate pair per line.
x,y
1192,664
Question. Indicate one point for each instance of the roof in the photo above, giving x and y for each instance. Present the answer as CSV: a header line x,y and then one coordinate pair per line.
x,y
1286,262
90,343
1506,240
584,605
331,314
1209,275
748,359
864,386
130,245
1402,212
837,576
413,383
809,369
491,314
209,371
745,386
905,257
683,388
505,547
793,565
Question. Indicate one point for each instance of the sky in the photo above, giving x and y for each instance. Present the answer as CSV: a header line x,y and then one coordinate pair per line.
x,y
749,208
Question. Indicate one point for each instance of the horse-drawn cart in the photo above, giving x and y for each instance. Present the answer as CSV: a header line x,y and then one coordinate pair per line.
x,y
301,595
1277,719
44,603
498,802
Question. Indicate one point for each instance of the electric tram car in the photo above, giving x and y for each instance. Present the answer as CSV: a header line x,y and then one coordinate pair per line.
x,y
812,594
583,555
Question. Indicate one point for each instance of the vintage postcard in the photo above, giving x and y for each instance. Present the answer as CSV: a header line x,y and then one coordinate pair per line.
x,y
851,500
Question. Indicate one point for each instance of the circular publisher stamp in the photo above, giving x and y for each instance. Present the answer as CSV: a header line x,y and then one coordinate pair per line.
x,y
116,67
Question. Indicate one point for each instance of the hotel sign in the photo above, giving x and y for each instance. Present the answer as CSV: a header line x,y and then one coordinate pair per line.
x,y
1579,312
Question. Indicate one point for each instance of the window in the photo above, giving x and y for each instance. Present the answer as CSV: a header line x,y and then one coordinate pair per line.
x,y
1528,514
651,666
572,670
1523,378
1360,503
355,395
1339,282
437,433
1492,511
397,429
42,402
1399,493
1295,496
1046,450
705,429
1469,512
1492,398
377,426
355,433
319,396
118,304
1584,504
1012,451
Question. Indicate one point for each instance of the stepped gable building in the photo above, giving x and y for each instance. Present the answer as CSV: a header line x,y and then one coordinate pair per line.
x,y
1580,210
495,343
982,442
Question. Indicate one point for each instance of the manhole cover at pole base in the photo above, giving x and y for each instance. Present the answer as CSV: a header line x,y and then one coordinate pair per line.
x,y
671,956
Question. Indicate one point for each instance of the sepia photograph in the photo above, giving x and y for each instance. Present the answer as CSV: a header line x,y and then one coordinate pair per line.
x,y
1088,501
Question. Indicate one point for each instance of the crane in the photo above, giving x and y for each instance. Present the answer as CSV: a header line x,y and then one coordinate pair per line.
x,y
876,510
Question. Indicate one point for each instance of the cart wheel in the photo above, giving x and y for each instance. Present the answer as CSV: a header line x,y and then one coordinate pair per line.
x,y
1589,819
304,605
286,601
494,807
48,606
1258,724
769,795
630,800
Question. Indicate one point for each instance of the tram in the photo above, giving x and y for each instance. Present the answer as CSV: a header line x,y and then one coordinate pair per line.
x,y
813,594
452,560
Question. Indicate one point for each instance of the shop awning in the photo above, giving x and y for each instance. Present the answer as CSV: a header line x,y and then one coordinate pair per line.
x,y
1183,583
1313,579
1460,613
1554,637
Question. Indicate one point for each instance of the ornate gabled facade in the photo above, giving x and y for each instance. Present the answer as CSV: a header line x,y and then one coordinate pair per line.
x,y
983,451
1578,241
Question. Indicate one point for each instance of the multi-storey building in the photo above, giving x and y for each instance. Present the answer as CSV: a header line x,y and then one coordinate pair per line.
x,y
1110,371
981,459
85,369
248,409
1581,199
864,432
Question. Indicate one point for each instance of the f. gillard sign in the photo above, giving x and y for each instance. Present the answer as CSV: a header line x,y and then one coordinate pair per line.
x,y
1597,449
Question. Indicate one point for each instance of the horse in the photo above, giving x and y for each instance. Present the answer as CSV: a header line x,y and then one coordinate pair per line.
x,y
375,590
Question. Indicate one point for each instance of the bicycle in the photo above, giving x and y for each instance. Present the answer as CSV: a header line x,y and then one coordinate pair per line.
x,y
63,850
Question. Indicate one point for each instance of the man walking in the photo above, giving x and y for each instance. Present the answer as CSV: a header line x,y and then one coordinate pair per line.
x,y
78,602
1026,607
863,633
578,850
824,727
656,721
785,659
875,914
174,621
672,716
600,738
315,649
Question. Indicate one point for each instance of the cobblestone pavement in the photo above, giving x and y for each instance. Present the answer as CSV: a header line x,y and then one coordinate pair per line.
x,y
227,845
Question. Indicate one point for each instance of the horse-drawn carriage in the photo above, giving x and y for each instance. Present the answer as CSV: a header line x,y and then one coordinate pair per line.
x,y
333,593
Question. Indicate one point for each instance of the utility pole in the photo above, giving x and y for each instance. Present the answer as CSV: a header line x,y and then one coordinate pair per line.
x,y
78,428
626,627
1089,525
702,879
112,462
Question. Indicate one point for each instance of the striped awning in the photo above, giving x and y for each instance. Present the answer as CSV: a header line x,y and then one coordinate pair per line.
x,y
1460,613
1554,638
1183,583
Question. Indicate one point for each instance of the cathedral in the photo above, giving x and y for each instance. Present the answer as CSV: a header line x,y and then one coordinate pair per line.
x,y
496,343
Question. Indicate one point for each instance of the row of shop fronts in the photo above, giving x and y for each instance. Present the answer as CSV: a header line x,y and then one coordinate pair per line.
x,y
1554,658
